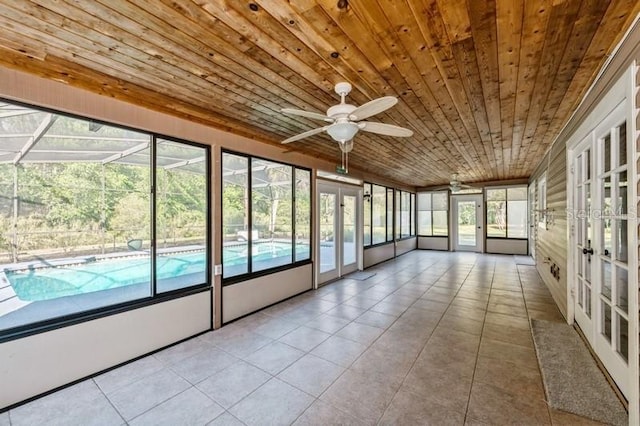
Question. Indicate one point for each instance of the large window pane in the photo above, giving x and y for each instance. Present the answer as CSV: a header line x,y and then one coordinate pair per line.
x,y
397,207
75,234
517,219
405,214
303,215
424,223
440,201
507,212
235,215
367,214
424,214
181,215
440,223
496,218
379,214
389,214
271,214
412,213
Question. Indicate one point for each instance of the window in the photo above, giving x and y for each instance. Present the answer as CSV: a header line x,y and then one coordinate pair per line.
x,y
397,215
95,216
389,214
542,202
266,213
404,217
507,212
433,214
379,214
367,214
412,230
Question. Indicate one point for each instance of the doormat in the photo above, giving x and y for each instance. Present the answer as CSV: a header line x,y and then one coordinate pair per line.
x,y
360,275
524,260
572,380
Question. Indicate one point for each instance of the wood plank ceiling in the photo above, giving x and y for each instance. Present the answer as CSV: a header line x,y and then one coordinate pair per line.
x,y
486,85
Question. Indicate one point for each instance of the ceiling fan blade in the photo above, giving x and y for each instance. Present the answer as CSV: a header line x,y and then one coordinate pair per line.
x,y
305,134
373,107
384,129
308,114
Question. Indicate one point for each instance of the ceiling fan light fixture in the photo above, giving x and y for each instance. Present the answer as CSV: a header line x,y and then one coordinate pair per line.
x,y
342,132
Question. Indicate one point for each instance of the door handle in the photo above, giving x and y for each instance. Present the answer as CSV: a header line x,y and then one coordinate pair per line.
x,y
587,251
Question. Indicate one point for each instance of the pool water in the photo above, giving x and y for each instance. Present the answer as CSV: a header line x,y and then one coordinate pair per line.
x,y
52,283
55,282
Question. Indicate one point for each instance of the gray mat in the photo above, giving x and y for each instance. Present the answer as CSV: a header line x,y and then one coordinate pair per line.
x,y
360,275
572,380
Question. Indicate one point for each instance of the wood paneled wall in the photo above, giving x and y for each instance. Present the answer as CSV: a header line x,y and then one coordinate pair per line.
x,y
551,243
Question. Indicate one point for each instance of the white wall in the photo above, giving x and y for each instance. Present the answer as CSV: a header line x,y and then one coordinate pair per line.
x,y
506,246
377,254
249,296
45,361
404,246
433,243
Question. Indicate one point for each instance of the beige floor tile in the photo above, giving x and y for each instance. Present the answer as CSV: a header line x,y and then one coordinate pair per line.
x,y
311,374
455,339
508,334
304,338
321,413
444,387
463,363
492,405
501,308
407,408
274,403
510,378
524,357
507,320
274,357
339,350
455,322
383,365
376,319
360,395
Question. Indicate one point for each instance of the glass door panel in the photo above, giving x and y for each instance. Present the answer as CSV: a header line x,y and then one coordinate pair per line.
x,y
602,232
339,231
349,230
466,221
328,253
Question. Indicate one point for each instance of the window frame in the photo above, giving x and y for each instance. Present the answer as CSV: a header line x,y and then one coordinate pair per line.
x,y
431,211
389,207
541,201
155,297
398,210
227,281
504,188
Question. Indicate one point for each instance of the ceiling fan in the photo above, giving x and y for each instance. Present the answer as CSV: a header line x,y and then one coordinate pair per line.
x,y
346,119
455,185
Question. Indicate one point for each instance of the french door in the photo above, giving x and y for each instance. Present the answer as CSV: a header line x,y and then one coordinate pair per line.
x,y
468,223
339,244
601,243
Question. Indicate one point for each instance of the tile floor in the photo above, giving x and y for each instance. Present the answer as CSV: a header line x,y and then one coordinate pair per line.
x,y
432,338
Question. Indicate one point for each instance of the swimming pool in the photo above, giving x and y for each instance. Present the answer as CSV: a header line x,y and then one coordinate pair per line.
x,y
174,270
51,283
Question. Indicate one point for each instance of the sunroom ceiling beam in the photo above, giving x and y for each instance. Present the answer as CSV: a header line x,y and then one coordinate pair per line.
x,y
126,153
40,131
184,163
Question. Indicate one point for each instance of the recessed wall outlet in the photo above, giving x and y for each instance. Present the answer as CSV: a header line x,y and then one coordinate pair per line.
x,y
217,270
